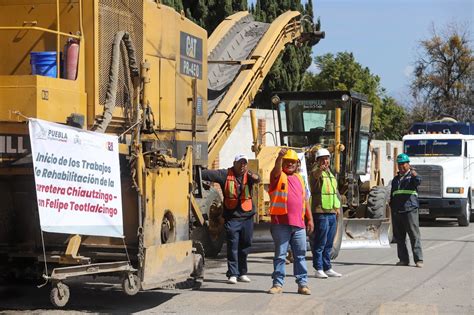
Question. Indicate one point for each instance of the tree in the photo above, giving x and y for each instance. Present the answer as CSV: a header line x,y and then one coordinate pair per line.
x,y
288,71
443,77
343,72
394,120
176,4
207,13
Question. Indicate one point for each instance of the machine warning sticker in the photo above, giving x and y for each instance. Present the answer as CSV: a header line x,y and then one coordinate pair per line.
x,y
190,55
199,106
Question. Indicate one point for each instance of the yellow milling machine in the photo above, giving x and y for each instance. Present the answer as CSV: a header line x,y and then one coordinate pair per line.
x,y
152,77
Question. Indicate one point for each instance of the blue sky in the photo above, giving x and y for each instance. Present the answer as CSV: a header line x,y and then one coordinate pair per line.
x,y
383,34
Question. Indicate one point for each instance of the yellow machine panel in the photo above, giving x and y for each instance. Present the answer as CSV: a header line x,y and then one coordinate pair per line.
x,y
39,96
167,88
159,208
167,263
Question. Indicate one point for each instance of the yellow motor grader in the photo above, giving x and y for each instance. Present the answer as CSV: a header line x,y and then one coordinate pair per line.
x,y
340,121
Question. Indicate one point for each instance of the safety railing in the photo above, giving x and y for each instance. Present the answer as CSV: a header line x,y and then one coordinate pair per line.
x,y
47,30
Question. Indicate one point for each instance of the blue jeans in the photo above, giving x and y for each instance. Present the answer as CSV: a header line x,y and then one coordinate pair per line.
x,y
325,226
239,239
284,235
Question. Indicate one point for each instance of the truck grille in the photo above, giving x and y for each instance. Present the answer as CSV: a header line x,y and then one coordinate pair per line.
x,y
431,181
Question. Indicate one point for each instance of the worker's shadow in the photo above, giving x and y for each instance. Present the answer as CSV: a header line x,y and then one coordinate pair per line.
x,y
84,298
251,274
261,260
342,263
232,289
438,223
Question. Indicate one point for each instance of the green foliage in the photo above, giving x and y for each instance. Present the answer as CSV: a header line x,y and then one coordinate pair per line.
x,y
177,4
288,71
207,13
394,120
343,72
444,76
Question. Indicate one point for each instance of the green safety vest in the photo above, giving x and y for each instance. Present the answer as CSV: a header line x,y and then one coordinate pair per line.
x,y
329,199
405,192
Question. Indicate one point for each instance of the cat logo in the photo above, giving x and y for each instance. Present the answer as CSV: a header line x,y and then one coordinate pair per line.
x,y
191,46
191,55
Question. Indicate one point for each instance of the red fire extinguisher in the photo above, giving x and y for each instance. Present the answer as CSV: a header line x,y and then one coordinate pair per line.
x,y
71,59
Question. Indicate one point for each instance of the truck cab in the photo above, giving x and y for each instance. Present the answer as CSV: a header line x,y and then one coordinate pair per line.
x,y
443,155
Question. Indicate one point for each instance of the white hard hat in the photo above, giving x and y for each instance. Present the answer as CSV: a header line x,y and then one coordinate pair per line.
x,y
322,152
239,157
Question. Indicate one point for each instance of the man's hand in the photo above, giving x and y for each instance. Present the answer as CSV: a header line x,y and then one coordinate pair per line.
x,y
323,166
309,227
282,152
276,171
413,172
254,176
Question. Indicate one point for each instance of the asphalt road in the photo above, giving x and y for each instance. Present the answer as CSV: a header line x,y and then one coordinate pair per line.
x,y
371,284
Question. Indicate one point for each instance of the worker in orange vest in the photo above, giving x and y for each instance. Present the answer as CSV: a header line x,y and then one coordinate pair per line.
x,y
290,218
236,183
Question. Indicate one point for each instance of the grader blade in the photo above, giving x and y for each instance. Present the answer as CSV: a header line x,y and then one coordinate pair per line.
x,y
366,233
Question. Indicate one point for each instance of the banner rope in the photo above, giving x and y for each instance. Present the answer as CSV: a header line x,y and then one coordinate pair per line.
x,y
45,275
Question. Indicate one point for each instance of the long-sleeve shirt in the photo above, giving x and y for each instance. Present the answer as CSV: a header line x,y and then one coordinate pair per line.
x,y
404,192
220,177
315,184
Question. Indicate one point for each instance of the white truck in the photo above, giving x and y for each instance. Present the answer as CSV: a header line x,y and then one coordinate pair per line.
x,y
443,154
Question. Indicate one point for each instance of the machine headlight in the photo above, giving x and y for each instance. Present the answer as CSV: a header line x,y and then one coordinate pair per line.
x,y
455,190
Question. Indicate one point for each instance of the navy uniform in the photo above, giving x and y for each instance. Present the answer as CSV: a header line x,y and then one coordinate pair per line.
x,y
405,220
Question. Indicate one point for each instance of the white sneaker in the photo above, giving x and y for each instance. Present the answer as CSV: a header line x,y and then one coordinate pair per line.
x,y
332,273
244,278
232,280
320,274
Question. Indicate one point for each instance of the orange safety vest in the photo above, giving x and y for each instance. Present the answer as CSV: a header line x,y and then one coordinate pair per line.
x,y
231,199
279,196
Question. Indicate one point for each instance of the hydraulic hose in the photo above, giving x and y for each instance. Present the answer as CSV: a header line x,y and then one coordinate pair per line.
x,y
112,85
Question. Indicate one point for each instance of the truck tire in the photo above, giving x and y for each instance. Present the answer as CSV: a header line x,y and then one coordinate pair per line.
x,y
377,202
465,217
470,203
212,235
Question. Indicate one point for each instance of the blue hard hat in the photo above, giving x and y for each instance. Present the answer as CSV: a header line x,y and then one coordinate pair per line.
x,y
403,158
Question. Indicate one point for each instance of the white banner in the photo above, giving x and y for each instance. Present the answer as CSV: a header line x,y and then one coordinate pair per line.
x,y
77,177
304,172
